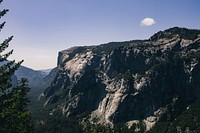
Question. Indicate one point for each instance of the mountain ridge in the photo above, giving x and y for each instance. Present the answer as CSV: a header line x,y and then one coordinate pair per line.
x,y
129,82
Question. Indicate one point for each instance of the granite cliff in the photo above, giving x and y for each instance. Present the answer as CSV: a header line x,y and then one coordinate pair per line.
x,y
128,82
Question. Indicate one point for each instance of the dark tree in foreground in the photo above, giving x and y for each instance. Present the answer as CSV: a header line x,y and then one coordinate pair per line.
x,y
14,115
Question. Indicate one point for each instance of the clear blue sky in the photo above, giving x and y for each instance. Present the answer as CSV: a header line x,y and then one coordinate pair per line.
x,y
41,28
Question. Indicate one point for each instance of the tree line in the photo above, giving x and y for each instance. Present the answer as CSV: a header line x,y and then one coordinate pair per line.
x,y
14,115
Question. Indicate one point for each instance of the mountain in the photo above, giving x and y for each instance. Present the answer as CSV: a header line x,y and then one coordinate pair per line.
x,y
46,81
139,83
46,71
37,79
33,76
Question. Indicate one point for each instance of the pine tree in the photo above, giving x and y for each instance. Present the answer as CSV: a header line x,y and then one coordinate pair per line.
x,y
14,115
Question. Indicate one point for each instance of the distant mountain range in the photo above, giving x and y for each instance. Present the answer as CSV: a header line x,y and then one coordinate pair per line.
x,y
46,71
35,78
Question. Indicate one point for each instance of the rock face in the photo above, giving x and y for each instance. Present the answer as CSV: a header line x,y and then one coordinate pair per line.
x,y
128,81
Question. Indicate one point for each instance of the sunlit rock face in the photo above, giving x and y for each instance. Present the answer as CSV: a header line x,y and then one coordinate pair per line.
x,y
128,81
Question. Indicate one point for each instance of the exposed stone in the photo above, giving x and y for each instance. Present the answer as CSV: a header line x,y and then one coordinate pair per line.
x,y
127,82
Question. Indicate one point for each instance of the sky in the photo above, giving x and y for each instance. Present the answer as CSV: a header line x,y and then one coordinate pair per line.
x,y
42,28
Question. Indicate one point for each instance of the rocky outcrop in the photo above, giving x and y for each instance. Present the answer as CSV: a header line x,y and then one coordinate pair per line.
x,y
128,81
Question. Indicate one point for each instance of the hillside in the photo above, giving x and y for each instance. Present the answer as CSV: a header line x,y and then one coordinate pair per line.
x,y
138,83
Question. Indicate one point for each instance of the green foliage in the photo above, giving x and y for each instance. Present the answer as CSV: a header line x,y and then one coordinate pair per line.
x,y
160,127
187,121
14,116
92,128
117,128
57,123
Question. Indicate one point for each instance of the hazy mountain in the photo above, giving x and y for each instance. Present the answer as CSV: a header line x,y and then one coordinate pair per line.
x,y
34,77
39,80
135,82
46,71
